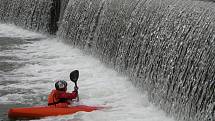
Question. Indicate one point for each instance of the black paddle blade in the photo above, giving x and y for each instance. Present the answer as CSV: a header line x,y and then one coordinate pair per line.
x,y
74,76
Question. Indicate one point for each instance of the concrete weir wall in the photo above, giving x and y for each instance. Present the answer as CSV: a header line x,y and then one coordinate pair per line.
x,y
167,47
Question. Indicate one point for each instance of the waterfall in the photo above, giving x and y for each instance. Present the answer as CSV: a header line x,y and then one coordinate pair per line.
x,y
38,15
166,47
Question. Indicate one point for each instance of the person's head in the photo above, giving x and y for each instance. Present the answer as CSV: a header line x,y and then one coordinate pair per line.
x,y
61,85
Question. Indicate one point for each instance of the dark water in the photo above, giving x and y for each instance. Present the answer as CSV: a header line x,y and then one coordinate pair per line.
x,y
4,109
9,62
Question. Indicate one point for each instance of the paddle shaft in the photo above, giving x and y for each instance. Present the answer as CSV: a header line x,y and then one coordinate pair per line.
x,y
78,95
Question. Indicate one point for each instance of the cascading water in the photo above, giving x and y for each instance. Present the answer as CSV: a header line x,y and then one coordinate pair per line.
x,y
26,76
166,47
36,15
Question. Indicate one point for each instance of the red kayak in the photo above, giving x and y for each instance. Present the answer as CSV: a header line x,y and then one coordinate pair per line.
x,y
44,111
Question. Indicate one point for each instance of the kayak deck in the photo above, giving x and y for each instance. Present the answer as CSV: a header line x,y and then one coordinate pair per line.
x,y
44,111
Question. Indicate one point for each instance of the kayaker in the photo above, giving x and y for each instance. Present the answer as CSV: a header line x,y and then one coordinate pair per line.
x,y
59,97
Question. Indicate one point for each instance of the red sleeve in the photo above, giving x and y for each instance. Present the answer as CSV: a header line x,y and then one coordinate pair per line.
x,y
66,95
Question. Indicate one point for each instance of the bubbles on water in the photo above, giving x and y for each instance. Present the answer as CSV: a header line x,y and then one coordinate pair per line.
x,y
48,59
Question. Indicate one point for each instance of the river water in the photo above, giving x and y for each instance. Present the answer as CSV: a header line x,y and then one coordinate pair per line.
x,y
29,62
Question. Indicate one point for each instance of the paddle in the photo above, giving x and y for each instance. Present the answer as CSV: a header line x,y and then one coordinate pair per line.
x,y
74,78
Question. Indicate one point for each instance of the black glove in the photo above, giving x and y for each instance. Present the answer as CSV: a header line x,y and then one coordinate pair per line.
x,y
76,88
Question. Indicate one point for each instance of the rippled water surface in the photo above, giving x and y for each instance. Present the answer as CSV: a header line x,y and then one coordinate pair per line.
x,y
29,62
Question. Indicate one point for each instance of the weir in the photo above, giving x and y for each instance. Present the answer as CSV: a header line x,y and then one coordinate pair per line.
x,y
167,47
35,15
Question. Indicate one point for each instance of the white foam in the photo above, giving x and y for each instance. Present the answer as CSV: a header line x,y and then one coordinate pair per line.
x,y
50,59
9,30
